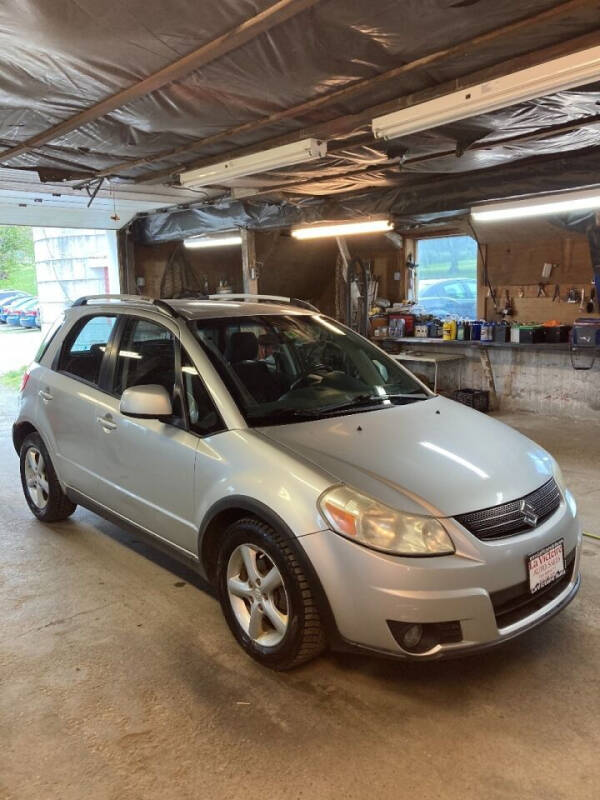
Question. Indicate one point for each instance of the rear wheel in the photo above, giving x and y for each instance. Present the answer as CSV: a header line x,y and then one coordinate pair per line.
x,y
42,490
266,598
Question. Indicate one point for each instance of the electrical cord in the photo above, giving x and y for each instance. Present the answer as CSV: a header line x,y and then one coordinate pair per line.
x,y
591,535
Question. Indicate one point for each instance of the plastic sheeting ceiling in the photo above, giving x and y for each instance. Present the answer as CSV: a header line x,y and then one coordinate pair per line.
x,y
58,57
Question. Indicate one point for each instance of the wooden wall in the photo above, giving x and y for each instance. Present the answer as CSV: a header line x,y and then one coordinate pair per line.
x,y
304,269
515,256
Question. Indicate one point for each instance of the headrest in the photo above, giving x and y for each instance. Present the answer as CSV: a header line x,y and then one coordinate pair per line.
x,y
243,346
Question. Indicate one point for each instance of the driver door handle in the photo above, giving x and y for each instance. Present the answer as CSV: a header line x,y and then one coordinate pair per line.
x,y
45,394
107,423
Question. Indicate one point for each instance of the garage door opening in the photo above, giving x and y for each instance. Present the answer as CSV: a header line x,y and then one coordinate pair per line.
x,y
42,271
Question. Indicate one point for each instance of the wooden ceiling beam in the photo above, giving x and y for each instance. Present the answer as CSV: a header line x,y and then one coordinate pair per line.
x,y
231,40
346,125
361,86
523,138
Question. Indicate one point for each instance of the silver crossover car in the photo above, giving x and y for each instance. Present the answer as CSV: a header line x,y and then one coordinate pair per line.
x,y
330,497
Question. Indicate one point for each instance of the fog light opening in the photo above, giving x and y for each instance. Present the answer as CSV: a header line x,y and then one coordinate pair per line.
x,y
412,637
420,637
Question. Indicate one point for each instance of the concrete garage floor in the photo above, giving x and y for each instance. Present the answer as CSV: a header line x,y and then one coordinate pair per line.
x,y
119,679
18,346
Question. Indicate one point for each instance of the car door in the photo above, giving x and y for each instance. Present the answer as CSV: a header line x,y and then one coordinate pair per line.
x,y
69,393
146,466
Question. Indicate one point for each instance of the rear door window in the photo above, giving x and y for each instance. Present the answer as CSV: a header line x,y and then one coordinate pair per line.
x,y
85,346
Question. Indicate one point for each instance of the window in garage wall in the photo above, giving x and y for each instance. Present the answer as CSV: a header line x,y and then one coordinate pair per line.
x,y
447,276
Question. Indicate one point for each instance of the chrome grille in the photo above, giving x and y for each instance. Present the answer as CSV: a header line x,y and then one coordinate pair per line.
x,y
508,519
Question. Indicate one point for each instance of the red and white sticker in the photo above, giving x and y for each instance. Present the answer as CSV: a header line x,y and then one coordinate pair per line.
x,y
546,566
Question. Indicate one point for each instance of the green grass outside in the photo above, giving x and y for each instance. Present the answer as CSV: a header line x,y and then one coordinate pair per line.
x,y
12,379
17,262
466,269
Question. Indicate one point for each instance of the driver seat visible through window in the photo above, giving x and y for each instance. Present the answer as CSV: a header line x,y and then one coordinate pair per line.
x,y
260,382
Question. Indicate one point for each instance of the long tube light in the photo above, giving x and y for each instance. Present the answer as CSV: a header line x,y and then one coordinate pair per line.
x,y
343,229
525,84
558,203
276,158
212,241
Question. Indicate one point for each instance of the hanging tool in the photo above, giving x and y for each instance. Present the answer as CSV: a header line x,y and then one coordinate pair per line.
x,y
582,303
556,295
547,270
359,276
507,311
590,303
541,290
573,296
521,292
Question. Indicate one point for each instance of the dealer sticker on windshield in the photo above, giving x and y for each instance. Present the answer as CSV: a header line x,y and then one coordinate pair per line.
x,y
546,566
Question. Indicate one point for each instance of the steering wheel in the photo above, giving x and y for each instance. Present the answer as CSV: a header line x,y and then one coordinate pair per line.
x,y
308,372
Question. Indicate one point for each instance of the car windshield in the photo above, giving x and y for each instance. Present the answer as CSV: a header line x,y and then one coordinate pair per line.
x,y
287,368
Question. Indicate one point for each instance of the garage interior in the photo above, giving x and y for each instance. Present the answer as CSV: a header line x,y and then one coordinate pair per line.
x,y
118,676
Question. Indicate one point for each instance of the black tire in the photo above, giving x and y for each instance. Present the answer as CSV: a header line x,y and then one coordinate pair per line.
x,y
304,638
58,505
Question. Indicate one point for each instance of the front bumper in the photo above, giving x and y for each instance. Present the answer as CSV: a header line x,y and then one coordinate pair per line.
x,y
366,588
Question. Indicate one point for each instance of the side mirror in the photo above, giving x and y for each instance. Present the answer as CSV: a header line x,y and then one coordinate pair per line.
x,y
146,402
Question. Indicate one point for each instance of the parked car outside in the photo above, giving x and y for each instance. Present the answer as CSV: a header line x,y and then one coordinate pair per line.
x,y
10,294
30,317
454,296
12,305
13,318
330,497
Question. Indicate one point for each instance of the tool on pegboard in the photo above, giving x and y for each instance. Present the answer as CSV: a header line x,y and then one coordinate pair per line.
x,y
507,311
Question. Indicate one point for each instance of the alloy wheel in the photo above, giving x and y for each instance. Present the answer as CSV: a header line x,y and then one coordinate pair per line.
x,y
36,478
257,595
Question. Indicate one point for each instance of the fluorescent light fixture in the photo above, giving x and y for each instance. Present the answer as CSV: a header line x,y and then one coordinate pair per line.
x,y
277,157
538,206
525,84
213,241
343,229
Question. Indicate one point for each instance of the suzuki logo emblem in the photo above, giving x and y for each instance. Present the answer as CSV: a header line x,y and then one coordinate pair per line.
x,y
528,512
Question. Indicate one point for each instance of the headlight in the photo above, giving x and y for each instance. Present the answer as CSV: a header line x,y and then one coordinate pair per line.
x,y
375,525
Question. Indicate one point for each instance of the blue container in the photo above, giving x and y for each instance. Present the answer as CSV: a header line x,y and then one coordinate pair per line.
x,y
487,332
475,331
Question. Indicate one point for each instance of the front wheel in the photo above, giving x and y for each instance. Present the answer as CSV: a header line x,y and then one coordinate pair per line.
x,y
41,487
266,598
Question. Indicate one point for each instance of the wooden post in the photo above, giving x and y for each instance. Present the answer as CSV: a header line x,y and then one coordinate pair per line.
x,y
249,270
482,287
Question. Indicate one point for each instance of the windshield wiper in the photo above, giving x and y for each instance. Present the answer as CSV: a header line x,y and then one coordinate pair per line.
x,y
360,401
280,414
356,402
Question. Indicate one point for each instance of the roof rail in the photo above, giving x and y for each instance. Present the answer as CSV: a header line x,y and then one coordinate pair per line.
x,y
138,299
264,298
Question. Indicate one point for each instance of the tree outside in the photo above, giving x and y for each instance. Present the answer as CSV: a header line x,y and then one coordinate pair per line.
x,y
17,262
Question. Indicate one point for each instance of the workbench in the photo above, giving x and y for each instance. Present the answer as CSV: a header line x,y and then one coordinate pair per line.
x,y
433,358
537,378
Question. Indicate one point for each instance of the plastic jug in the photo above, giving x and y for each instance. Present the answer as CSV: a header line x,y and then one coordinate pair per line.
x,y
449,330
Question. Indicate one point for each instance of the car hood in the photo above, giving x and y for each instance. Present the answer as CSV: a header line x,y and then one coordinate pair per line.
x,y
435,456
